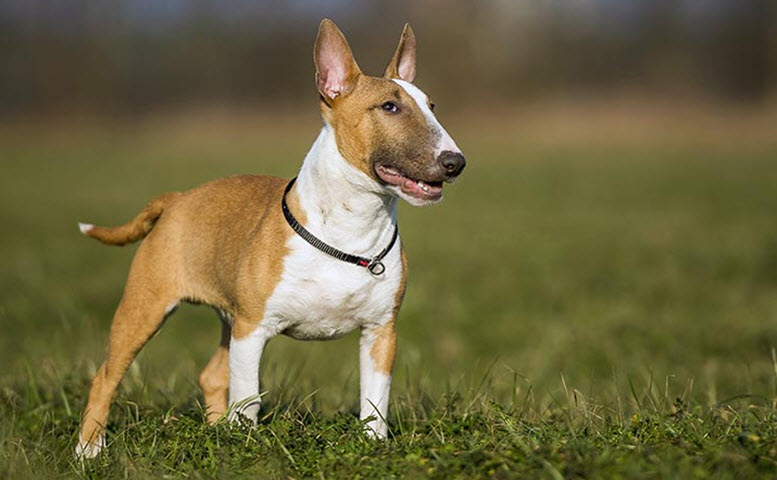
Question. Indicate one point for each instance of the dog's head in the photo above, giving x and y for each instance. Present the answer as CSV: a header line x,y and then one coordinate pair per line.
x,y
385,126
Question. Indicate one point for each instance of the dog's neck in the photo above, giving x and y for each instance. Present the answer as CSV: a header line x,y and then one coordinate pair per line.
x,y
342,205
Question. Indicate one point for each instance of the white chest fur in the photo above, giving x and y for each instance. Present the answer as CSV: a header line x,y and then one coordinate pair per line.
x,y
320,297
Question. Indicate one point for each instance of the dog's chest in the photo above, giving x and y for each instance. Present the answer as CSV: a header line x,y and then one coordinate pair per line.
x,y
320,297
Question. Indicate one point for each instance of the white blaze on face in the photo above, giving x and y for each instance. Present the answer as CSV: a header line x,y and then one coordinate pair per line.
x,y
446,142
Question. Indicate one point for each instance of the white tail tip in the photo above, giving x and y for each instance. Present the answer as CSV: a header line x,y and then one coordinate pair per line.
x,y
85,227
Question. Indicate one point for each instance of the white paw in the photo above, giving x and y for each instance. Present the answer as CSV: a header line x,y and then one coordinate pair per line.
x,y
376,429
89,450
248,408
85,227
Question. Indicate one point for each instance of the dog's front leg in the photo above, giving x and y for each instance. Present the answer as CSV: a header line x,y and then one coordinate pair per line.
x,y
377,348
245,352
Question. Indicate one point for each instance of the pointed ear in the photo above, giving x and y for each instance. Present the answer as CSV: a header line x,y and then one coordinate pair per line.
x,y
336,70
402,66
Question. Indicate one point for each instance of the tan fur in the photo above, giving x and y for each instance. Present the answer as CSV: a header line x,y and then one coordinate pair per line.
x,y
214,379
384,349
221,244
135,229
366,134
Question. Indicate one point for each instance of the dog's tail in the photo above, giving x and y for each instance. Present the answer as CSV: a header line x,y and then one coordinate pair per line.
x,y
133,230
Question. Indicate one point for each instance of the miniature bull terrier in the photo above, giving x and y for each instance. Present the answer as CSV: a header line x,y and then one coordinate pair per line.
x,y
312,258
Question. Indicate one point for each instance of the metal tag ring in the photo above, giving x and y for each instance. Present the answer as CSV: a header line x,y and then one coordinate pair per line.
x,y
376,267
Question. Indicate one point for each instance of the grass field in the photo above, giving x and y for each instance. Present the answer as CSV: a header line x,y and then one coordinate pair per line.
x,y
576,309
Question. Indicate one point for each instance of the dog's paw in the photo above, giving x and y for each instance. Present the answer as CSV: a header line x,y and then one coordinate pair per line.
x,y
376,429
86,450
245,411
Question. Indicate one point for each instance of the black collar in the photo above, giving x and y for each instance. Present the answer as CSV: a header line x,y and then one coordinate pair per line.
x,y
374,264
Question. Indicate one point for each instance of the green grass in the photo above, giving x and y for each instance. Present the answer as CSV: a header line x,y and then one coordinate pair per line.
x,y
586,310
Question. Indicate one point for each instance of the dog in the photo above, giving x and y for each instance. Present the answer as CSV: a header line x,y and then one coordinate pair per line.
x,y
312,258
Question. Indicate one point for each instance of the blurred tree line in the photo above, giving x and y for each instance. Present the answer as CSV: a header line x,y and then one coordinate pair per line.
x,y
124,56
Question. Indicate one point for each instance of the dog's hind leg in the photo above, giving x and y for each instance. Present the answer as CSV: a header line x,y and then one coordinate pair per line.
x,y
146,302
214,379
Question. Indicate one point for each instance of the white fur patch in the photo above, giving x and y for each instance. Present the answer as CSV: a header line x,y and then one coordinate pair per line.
x,y
244,356
422,100
171,308
85,227
86,450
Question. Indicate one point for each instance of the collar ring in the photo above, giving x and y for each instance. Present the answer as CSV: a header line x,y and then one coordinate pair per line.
x,y
376,267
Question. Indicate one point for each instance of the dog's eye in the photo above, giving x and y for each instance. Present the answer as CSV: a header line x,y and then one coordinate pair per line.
x,y
390,107
431,106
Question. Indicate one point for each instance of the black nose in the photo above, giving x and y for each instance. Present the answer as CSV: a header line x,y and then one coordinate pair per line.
x,y
452,162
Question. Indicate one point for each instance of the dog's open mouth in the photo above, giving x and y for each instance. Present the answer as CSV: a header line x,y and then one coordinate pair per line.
x,y
421,189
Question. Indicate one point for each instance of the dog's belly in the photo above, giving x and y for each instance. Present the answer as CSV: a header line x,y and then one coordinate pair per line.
x,y
325,330
320,298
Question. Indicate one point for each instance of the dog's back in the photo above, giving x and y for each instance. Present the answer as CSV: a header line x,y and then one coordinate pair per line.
x,y
199,239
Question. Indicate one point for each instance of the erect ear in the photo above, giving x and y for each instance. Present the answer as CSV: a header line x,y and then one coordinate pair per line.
x,y
336,70
402,66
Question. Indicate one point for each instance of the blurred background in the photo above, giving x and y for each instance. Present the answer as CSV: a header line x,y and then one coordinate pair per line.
x,y
138,56
615,224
